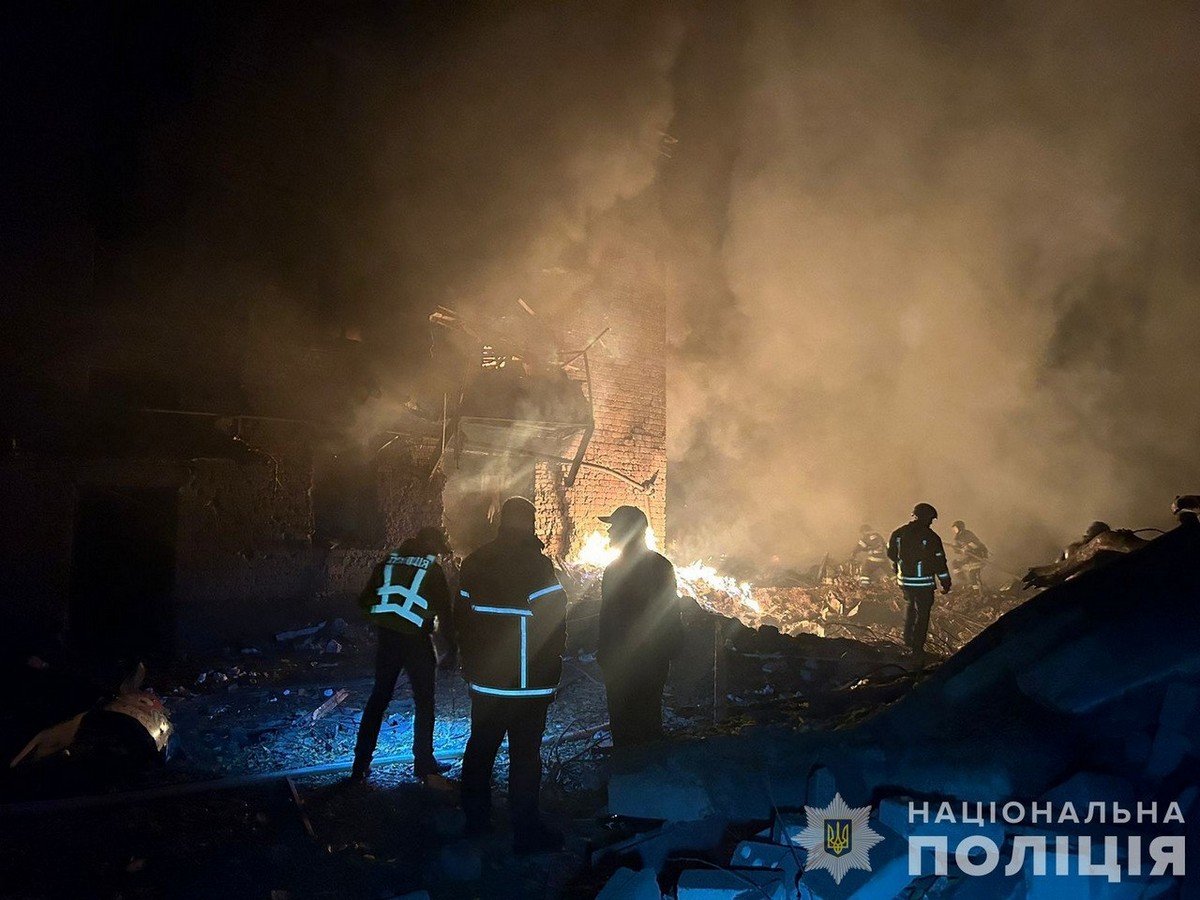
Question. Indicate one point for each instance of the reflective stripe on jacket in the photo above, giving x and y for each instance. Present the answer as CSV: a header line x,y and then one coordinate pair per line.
x,y
511,615
916,551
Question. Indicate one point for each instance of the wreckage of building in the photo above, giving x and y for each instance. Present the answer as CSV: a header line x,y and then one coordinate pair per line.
x,y
173,487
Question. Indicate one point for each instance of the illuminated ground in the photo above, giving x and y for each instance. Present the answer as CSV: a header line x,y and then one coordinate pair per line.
x,y
250,720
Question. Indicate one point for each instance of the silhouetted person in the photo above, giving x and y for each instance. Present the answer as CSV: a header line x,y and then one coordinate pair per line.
x,y
640,629
407,591
1187,508
511,613
919,559
970,555
872,544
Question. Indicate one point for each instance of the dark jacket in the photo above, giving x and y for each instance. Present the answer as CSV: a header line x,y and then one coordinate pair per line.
x,y
917,553
871,544
640,624
967,544
406,592
512,618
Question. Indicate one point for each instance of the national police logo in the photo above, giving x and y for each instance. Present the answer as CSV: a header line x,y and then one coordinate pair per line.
x,y
837,838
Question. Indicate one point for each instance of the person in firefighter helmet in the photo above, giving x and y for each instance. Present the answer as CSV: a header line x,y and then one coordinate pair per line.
x,y
919,561
406,593
874,548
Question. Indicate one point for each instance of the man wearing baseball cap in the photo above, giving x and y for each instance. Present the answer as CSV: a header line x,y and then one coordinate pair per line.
x,y
640,629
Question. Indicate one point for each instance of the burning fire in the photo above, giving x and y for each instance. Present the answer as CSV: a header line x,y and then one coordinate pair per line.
x,y
598,553
697,581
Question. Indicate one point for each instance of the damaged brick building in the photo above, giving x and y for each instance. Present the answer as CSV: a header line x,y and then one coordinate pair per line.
x,y
170,485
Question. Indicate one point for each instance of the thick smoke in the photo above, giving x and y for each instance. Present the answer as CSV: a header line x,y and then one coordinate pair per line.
x,y
940,251
960,259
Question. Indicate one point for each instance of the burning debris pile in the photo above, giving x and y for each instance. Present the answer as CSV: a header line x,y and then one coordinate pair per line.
x,y
1077,701
834,602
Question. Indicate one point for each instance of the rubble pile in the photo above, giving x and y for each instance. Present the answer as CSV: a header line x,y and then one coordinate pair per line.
x,y
1088,694
841,605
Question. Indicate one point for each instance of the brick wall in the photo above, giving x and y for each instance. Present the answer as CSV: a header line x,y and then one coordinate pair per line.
x,y
628,369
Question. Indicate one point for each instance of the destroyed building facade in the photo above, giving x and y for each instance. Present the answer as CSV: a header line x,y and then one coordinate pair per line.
x,y
170,484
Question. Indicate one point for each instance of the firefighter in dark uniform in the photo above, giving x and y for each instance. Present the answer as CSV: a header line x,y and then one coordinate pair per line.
x,y
919,560
511,615
970,556
874,546
407,591
640,629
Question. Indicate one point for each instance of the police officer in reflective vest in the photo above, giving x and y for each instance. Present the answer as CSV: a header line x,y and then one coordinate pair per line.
x,y
407,591
919,559
511,615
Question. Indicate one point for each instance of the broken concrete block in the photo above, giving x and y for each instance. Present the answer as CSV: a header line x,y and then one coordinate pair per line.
x,y
886,881
893,813
821,787
761,855
653,847
1109,662
655,792
626,884
732,884
788,826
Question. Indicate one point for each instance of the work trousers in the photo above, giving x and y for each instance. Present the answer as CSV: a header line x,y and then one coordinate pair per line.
x,y
969,572
635,704
523,719
916,620
411,653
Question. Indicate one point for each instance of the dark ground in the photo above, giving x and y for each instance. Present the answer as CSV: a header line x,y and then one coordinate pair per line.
x,y
220,818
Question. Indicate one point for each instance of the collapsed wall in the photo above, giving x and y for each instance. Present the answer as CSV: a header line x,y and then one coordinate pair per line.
x,y
1089,693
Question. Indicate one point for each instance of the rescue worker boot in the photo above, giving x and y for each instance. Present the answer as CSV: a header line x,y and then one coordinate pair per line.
x,y
429,766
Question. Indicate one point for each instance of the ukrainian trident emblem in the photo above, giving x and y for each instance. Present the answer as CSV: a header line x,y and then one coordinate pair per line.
x,y
838,833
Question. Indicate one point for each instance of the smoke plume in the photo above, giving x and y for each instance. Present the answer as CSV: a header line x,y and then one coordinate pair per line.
x,y
959,251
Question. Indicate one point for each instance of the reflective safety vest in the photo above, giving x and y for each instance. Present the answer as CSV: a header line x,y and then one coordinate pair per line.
x,y
872,544
919,557
510,629
398,596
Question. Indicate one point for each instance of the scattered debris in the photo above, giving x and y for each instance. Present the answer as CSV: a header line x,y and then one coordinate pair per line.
x,y
329,705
